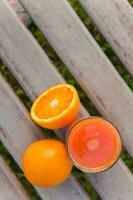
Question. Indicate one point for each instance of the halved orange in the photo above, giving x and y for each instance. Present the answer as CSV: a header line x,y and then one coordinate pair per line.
x,y
56,107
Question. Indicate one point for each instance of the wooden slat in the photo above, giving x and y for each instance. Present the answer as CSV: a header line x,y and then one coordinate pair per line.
x,y
87,62
120,190
115,21
17,131
10,188
12,43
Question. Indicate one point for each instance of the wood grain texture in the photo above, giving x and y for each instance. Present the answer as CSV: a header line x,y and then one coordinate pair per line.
x,y
120,190
87,62
10,188
17,131
115,21
37,83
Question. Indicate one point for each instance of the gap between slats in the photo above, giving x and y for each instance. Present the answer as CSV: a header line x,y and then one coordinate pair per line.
x,y
106,48
115,21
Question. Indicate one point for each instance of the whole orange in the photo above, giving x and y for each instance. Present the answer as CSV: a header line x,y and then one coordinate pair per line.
x,y
46,163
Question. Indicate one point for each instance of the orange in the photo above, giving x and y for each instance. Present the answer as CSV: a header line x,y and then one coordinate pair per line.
x,y
56,107
46,163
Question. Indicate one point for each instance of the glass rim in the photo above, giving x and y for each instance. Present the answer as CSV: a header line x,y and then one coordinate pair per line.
x,y
97,169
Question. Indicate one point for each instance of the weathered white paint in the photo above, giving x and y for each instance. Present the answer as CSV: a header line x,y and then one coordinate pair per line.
x,y
10,187
115,21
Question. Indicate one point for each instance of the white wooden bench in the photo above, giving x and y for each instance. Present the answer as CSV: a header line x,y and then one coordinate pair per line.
x,y
92,69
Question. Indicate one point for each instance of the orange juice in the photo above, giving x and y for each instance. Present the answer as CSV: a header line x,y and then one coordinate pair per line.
x,y
94,144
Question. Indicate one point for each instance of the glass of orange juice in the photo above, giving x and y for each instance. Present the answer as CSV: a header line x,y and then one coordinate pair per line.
x,y
94,144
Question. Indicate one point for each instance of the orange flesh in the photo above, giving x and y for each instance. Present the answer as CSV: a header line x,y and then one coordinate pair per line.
x,y
94,143
54,102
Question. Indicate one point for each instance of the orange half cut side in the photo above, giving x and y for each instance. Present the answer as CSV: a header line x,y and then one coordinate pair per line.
x,y
56,107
